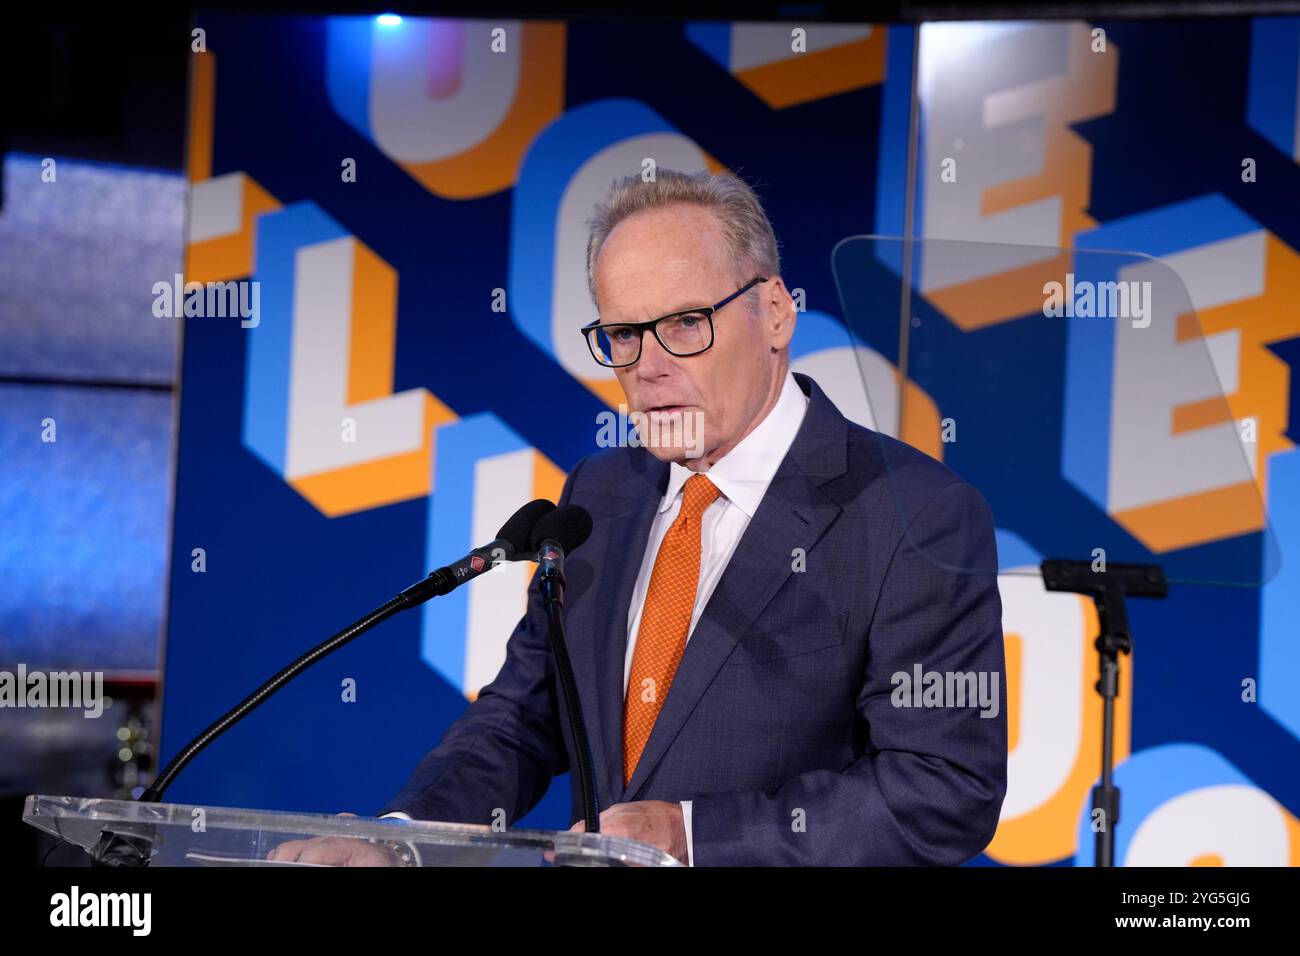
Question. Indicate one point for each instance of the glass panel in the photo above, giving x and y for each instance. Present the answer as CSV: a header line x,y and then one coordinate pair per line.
x,y
1095,421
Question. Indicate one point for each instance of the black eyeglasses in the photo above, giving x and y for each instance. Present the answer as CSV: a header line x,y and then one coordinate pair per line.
x,y
689,332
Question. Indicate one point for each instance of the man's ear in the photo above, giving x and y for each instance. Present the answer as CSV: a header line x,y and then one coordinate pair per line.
x,y
779,315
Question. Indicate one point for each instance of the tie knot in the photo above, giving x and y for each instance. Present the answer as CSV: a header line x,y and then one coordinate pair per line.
x,y
697,495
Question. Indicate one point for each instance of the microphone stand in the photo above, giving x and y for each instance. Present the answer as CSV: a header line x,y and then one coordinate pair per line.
x,y
550,555
1107,589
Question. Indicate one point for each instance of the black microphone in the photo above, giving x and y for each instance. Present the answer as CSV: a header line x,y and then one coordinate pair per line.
x,y
512,543
555,535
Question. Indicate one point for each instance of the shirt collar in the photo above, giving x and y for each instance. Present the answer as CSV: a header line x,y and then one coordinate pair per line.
x,y
743,474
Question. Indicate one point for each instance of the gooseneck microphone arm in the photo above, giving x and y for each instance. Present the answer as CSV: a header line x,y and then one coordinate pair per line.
x,y
191,750
511,544
133,847
560,531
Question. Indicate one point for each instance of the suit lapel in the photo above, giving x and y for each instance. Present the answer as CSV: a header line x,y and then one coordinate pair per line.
x,y
794,513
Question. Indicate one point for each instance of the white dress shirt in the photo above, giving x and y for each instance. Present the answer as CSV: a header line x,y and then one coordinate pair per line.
x,y
742,475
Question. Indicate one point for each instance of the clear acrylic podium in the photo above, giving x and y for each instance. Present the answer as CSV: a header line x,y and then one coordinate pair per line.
x,y
172,834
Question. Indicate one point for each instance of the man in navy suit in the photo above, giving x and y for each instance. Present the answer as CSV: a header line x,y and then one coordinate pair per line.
x,y
755,594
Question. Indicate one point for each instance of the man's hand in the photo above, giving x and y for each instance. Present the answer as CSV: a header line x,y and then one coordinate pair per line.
x,y
655,822
335,851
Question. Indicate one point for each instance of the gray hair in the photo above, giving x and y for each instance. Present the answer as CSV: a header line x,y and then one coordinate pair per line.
x,y
745,227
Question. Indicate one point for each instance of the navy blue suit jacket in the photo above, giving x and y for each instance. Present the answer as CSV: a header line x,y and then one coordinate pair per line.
x,y
781,724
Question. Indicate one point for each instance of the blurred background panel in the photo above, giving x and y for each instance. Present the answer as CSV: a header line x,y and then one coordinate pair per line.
x,y
88,365
92,214
85,522
78,258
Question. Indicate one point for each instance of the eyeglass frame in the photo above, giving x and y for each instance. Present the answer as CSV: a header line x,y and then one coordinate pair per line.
x,y
653,325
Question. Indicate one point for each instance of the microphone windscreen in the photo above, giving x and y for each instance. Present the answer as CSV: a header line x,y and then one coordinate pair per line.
x,y
569,525
518,531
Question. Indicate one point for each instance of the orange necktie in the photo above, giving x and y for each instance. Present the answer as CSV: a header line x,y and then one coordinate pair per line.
x,y
665,621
